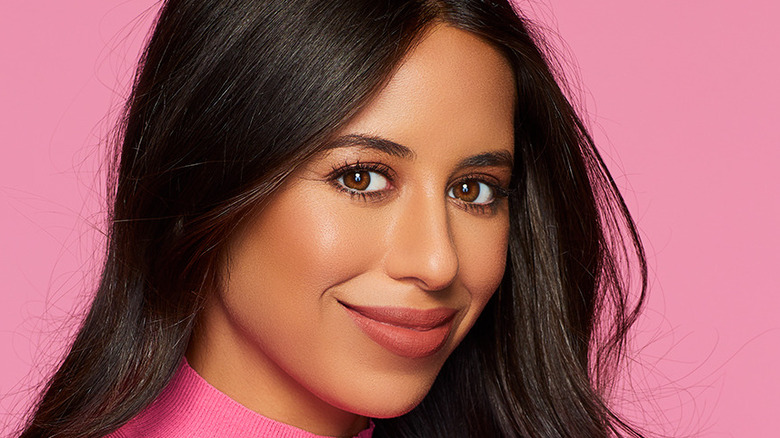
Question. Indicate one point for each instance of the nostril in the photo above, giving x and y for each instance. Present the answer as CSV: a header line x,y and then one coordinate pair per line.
x,y
441,270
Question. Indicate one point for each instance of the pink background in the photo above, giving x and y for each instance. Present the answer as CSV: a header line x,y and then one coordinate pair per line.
x,y
682,98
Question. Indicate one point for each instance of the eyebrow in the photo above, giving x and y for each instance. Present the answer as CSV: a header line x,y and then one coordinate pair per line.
x,y
500,158
380,144
488,159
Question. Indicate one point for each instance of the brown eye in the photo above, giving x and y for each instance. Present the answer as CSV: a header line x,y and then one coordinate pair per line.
x,y
472,191
361,180
466,191
357,180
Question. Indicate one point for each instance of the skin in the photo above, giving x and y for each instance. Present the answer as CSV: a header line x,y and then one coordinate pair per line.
x,y
276,338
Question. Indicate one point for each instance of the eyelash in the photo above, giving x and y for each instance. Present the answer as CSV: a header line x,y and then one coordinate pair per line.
x,y
499,193
339,171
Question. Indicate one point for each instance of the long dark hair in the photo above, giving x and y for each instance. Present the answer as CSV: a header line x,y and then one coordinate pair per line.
x,y
229,97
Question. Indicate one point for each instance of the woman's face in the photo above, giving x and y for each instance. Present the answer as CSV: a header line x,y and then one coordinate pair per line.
x,y
344,296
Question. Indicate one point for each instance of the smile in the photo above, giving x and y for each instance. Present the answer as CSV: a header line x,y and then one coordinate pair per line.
x,y
407,332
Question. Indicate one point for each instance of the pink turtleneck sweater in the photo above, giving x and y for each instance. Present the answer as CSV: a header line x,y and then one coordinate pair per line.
x,y
190,407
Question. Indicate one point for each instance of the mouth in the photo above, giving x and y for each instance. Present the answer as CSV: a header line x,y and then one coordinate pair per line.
x,y
407,332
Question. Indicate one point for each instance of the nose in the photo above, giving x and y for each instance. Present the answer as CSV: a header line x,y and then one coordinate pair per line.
x,y
420,244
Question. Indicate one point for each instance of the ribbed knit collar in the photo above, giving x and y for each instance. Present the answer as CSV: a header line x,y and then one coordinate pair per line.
x,y
190,407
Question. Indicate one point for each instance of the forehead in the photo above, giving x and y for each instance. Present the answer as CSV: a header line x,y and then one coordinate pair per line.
x,y
453,91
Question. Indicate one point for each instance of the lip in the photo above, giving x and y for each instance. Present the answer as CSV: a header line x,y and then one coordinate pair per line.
x,y
407,332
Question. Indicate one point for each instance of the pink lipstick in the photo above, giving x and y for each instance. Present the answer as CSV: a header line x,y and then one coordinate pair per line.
x,y
407,332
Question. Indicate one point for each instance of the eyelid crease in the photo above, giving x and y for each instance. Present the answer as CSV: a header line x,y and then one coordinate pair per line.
x,y
358,165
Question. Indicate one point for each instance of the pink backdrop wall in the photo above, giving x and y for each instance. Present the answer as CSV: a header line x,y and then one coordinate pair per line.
x,y
682,98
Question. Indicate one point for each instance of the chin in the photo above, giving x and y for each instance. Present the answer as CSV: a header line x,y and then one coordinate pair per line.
x,y
389,401
385,408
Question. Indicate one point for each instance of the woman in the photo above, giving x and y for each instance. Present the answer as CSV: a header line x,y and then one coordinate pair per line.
x,y
349,218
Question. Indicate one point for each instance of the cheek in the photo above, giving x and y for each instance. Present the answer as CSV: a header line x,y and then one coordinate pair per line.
x,y
300,243
285,261
280,267
482,249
